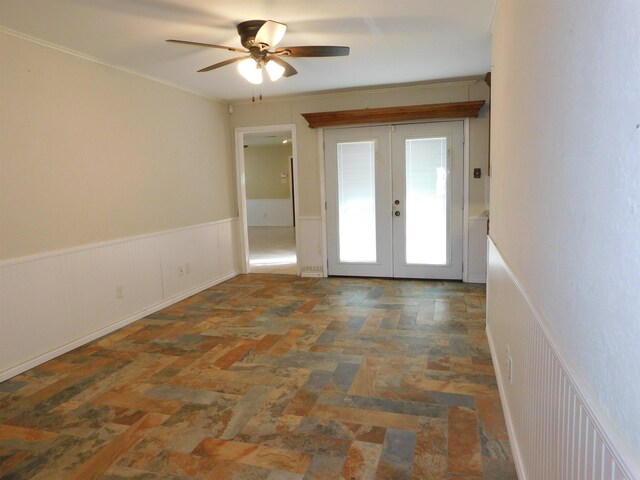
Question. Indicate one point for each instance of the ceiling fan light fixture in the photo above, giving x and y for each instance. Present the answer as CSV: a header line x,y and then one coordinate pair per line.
x,y
274,70
250,70
259,39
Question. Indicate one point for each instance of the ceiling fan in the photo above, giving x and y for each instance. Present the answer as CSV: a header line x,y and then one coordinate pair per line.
x,y
259,39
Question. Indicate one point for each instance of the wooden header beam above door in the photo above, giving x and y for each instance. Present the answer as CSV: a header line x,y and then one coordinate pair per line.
x,y
394,114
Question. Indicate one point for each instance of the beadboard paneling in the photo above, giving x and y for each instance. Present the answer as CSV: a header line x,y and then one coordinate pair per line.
x,y
554,430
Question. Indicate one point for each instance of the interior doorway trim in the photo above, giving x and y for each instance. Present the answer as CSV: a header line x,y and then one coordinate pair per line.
x,y
243,231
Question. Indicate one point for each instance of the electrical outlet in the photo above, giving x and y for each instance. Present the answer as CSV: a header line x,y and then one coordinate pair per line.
x,y
187,268
180,270
119,291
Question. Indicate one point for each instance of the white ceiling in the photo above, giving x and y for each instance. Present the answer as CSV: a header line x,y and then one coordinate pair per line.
x,y
392,42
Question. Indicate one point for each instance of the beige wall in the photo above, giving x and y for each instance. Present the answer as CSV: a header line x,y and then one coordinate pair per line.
x,y
90,153
263,165
287,111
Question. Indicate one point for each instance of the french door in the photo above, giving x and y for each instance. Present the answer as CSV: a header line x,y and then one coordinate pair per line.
x,y
394,200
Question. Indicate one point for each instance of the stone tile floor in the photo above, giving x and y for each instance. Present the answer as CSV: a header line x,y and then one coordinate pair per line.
x,y
271,377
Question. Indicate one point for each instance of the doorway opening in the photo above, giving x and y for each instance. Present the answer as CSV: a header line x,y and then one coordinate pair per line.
x,y
266,169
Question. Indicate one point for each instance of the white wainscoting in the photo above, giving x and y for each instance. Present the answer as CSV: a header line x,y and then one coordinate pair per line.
x,y
475,269
269,212
54,302
554,430
310,246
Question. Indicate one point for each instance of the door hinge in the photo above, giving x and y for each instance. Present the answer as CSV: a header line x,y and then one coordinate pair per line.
x,y
325,206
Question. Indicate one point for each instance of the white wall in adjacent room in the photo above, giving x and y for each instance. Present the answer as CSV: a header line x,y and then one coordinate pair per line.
x,y
268,185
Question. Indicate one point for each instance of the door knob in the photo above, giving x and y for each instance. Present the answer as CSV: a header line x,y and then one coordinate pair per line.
x,y
397,202
397,213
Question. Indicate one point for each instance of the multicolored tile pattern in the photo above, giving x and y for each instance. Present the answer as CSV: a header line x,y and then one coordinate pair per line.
x,y
271,377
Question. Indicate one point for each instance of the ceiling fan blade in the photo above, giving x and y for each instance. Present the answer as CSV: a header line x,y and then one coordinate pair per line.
x,y
289,71
270,33
313,51
221,64
231,49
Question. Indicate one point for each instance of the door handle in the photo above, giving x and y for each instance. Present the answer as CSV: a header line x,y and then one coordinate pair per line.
x,y
397,213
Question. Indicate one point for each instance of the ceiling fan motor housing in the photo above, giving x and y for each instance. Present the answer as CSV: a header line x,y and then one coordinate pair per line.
x,y
248,30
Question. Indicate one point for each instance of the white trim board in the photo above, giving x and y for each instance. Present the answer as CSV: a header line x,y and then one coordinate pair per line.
x,y
465,203
107,243
323,202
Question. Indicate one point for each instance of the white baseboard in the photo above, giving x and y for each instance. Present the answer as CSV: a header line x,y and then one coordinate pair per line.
x,y
312,272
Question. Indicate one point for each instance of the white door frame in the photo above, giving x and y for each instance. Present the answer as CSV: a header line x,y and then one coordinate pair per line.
x,y
465,201
243,232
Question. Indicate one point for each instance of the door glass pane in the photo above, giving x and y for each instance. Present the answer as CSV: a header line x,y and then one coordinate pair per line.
x,y
357,202
426,208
